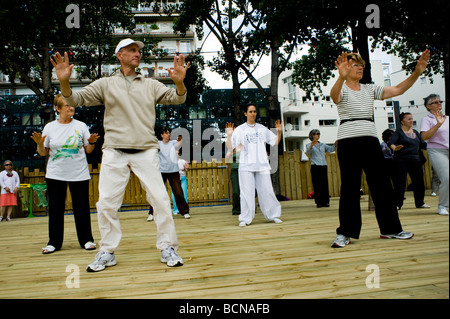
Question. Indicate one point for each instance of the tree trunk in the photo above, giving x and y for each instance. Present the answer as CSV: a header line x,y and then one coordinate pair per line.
x,y
447,75
47,99
236,98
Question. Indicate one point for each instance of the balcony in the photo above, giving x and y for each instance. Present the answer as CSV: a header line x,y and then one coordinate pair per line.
x,y
296,108
294,131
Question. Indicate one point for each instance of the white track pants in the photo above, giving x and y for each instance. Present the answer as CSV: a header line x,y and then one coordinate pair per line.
x,y
248,182
114,176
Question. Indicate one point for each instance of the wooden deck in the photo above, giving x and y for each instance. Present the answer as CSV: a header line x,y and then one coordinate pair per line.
x,y
292,260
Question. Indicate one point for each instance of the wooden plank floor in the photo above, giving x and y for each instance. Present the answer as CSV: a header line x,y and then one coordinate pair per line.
x,y
292,260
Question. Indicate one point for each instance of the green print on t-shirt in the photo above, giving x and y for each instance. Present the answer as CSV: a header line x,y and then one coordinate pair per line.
x,y
71,146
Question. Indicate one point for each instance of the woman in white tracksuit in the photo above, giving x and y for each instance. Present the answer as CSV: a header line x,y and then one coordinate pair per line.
x,y
250,139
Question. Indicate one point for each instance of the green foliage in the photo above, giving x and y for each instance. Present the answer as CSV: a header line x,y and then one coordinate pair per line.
x,y
313,69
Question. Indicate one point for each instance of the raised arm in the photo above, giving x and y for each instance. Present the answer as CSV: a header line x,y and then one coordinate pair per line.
x,y
391,91
440,119
63,71
39,139
229,128
344,68
178,73
279,128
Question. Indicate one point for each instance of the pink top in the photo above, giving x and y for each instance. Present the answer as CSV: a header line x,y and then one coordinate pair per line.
x,y
440,138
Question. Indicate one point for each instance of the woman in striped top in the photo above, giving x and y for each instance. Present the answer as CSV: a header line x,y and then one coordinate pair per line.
x,y
359,148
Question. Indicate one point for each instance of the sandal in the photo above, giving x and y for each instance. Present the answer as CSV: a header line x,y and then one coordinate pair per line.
x,y
89,246
49,249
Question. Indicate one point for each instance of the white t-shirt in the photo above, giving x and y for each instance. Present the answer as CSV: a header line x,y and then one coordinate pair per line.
x,y
253,156
358,105
168,156
67,158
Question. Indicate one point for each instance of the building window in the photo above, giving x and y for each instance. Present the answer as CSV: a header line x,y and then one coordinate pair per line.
x,y
327,122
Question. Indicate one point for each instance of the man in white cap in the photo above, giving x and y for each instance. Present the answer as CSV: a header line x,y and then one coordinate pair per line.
x,y
130,142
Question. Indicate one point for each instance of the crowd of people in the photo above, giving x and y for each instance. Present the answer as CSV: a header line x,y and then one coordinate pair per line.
x,y
131,144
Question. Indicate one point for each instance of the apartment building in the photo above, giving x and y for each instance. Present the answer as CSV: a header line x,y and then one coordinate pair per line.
x,y
148,23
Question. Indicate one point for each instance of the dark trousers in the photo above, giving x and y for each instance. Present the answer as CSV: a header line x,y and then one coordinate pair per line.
x,y
319,176
355,155
79,191
414,168
234,176
175,185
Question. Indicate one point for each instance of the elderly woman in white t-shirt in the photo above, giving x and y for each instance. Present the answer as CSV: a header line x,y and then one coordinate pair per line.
x,y
359,148
67,141
250,140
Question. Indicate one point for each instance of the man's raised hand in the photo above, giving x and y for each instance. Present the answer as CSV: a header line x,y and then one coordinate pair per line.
x,y
62,67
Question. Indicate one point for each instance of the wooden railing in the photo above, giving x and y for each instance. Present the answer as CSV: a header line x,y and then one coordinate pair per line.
x,y
209,182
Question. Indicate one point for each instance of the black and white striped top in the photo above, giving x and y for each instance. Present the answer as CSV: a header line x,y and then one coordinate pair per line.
x,y
358,105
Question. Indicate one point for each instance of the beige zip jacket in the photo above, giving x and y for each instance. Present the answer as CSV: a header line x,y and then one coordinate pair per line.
x,y
129,120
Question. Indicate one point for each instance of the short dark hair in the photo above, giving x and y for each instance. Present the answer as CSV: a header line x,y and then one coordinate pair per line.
x,y
313,132
386,135
402,115
245,108
165,129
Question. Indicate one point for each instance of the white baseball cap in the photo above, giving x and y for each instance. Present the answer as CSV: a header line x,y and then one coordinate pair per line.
x,y
127,42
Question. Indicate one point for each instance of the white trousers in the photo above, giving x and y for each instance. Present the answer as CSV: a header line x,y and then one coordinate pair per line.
x,y
248,182
114,176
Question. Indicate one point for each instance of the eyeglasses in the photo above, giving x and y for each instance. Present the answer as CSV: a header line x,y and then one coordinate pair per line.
x,y
356,65
436,102
8,165
317,134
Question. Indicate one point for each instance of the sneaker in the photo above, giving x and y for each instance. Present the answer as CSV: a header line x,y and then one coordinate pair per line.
x,y
242,224
433,194
340,241
400,235
102,260
187,216
170,257
277,220
150,218
442,211
424,206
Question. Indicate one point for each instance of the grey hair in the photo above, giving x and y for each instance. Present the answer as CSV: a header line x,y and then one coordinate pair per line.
x,y
429,98
312,133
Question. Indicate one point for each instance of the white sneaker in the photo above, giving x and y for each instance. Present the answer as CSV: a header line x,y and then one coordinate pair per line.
x,y
400,235
170,257
425,206
442,211
433,194
242,224
277,220
102,260
187,216
150,218
340,241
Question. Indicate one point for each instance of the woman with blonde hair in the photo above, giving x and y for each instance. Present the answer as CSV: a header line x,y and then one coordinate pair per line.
x,y
67,141
359,148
